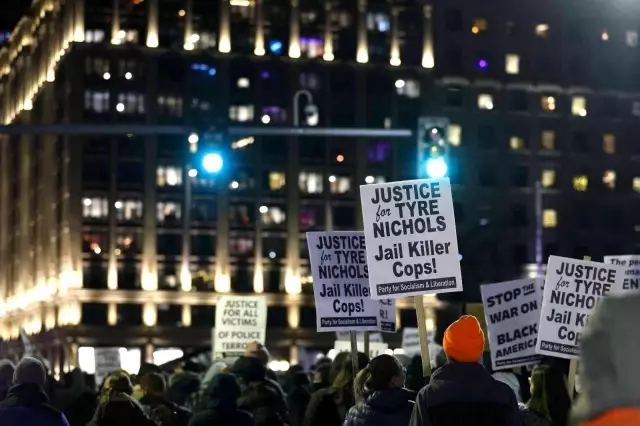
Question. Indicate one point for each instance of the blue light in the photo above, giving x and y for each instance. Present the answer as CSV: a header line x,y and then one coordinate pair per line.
x,y
275,47
212,163
212,71
436,167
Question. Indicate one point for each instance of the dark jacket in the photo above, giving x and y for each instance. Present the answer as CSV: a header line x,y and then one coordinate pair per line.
x,y
388,407
221,407
165,412
182,386
121,410
298,398
27,404
465,394
328,407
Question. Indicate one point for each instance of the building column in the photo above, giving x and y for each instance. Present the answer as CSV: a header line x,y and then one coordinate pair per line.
x,y
224,42
72,356
428,57
328,32
362,55
293,321
147,352
149,278
149,314
258,267
152,24
112,314
25,252
259,46
222,278
5,174
186,315
115,23
294,30
78,24
188,25
185,261
292,284
112,197
394,54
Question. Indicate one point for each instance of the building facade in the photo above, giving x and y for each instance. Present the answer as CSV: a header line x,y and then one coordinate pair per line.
x,y
109,240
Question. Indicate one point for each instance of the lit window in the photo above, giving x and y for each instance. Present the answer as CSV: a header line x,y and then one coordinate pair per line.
x,y
133,102
129,210
512,64
549,218
604,35
609,179
311,47
241,113
609,143
94,36
170,106
408,88
517,143
168,211
632,38
548,178
241,246
479,25
339,184
548,103
485,101
96,101
95,208
169,176
273,114
542,30
636,184
548,140
277,181
378,22
272,215
454,133
243,83
579,106
126,243
580,183
310,183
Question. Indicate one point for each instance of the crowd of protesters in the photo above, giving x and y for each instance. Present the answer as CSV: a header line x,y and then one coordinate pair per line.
x,y
386,391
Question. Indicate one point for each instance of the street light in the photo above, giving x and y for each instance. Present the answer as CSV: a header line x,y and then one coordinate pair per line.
x,y
436,167
212,162
310,111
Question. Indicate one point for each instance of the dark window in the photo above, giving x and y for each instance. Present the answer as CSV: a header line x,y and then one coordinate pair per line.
x,y
168,277
344,217
454,96
169,314
203,245
129,314
519,218
94,274
518,101
312,217
169,244
520,176
202,315
130,173
95,172
94,314
486,137
378,152
275,148
128,275
273,248
581,142
241,215
487,176
131,146
520,254
241,246
550,249
203,211
453,58
277,317
453,19
610,106
312,149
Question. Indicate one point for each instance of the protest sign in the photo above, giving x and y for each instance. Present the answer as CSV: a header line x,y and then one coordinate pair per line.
x,y
411,341
631,264
512,312
345,336
387,315
572,290
410,232
341,282
107,361
375,348
240,320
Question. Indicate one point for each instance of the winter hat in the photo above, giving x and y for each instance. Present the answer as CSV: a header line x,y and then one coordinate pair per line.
x,y
30,370
6,373
464,340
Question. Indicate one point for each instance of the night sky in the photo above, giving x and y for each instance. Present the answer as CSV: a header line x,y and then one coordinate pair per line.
x,y
11,11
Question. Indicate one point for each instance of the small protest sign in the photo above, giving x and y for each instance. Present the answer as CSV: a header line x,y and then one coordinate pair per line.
x,y
107,361
410,232
375,348
411,340
572,290
387,315
631,265
512,312
240,320
341,282
346,336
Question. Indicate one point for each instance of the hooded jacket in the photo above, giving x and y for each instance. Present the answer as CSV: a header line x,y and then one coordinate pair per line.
x,y
610,350
221,405
465,394
197,400
27,404
388,407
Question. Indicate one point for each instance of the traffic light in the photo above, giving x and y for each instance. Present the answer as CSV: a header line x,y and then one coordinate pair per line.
x,y
208,153
432,147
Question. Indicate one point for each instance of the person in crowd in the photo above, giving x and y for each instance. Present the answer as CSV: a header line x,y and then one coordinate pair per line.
x,y
462,392
6,377
26,403
336,366
221,407
509,378
183,384
76,399
157,406
197,400
381,398
259,395
415,380
549,396
610,350
298,397
321,375
117,407
329,407
259,351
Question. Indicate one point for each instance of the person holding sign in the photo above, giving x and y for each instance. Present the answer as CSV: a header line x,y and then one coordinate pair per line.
x,y
462,392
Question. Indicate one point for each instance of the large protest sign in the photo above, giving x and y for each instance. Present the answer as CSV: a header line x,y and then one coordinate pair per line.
x,y
410,231
631,265
107,361
341,282
375,348
240,320
572,290
512,312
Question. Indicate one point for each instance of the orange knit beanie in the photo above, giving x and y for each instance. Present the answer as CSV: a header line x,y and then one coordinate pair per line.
x,y
464,340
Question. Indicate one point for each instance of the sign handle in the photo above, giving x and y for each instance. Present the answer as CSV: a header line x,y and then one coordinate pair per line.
x,y
366,343
422,333
573,364
354,358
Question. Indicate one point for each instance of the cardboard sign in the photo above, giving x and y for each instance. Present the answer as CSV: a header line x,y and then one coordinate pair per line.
x,y
411,341
512,312
341,282
107,362
375,348
572,289
410,231
240,320
346,336
631,264
387,315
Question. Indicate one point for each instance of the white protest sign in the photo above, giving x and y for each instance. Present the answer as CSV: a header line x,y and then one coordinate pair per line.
x,y
512,312
375,348
411,341
631,264
387,315
572,288
410,231
345,335
107,361
240,320
341,282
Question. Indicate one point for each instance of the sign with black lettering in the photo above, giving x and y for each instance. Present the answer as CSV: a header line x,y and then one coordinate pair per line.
x,y
410,231
240,320
107,362
512,312
572,289
375,348
631,265
341,284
